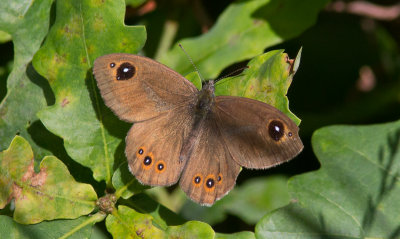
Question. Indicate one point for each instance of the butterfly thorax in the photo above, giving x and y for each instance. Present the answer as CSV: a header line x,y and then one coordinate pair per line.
x,y
205,99
202,108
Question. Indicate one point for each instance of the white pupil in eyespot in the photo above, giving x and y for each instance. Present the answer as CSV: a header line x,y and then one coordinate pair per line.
x,y
126,70
277,129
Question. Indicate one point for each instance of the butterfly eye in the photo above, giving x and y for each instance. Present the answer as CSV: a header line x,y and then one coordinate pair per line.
x,y
125,71
276,130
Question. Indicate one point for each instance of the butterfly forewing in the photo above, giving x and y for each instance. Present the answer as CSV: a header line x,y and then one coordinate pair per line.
x,y
257,134
137,88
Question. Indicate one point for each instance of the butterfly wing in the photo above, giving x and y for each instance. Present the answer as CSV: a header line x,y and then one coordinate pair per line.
x,y
153,147
157,99
137,88
210,171
256,134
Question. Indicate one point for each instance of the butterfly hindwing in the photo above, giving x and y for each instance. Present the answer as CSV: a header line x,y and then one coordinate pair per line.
x,y
210,172
153,147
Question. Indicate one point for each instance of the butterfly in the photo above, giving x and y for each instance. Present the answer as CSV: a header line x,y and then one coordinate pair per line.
x,y
183,134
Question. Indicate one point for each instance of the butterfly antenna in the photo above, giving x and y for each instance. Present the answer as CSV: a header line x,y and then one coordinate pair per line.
x,y
191,61
233,72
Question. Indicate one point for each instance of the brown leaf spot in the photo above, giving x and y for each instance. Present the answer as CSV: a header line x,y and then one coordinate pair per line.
x,y
29,172
40,178
257,22
3,111
64,102
139,233
291,64
66,29
35,179
17,192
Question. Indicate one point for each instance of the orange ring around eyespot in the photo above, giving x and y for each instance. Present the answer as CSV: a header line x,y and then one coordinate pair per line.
x,y
212,177
147,167
138,155
158,163
194,178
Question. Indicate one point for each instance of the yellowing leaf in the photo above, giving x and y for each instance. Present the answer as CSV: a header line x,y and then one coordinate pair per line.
x,y
49,194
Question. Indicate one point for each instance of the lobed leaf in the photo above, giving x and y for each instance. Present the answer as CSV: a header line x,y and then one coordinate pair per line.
x,y
267,194
267,79
162,216
134,3
237,235
52,193
125,183
243,31
72,229
355,194
83,31
127,223
27,23
191,229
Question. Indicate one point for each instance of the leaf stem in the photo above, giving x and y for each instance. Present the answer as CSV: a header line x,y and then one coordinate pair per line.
x,y
119,192
91,220
169,32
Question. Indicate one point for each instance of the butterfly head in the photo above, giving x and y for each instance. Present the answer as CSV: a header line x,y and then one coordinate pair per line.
x,y
205,98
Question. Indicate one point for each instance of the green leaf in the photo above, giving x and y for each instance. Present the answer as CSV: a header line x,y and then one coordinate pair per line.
x,y
267,79
134,3
125,183
4,37
194,77
267,194
191,229
83,31
243,31
162,216
27,22
238,235
127,223
355,194
72,229
52,193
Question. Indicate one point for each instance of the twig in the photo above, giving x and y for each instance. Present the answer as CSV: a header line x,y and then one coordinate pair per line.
x,y
367,9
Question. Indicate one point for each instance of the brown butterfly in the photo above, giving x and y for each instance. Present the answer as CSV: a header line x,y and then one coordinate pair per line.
x,y
181,133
